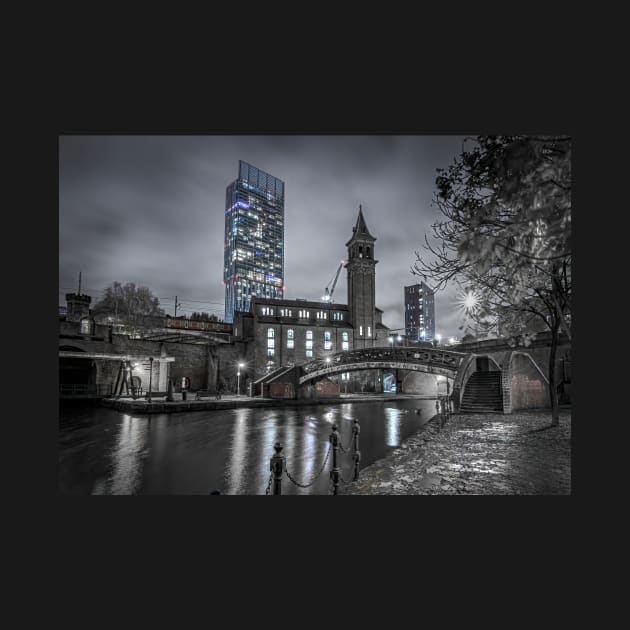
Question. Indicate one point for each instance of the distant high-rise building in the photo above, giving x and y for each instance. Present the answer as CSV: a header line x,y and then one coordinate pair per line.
x,y
419,312
254,239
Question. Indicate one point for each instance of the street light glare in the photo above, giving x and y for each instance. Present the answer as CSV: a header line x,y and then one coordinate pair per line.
x,y
469,301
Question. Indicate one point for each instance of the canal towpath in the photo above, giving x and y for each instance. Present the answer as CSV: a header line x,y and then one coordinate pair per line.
x,y
477,454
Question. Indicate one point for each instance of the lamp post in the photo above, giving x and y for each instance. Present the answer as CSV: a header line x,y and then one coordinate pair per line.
x,y
399,339
238,380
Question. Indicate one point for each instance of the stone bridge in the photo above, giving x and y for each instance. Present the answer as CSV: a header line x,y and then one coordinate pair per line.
x,y
298,381
429,360
520,375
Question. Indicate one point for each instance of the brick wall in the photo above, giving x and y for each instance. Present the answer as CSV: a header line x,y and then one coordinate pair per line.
x,y
297,356
528,389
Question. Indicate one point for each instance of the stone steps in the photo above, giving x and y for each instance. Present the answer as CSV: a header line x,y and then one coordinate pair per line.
x,y
483,393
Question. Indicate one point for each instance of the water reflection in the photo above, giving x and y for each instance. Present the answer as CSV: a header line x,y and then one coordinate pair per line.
x,y
239,453
392,426
106,452
126,457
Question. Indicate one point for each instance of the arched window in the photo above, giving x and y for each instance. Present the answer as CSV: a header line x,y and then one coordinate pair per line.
x,y
309,344
360,251
270,333
367,254
344,341
290,339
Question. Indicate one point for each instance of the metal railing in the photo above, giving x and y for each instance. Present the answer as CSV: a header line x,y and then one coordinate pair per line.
x,y
441,358
277,464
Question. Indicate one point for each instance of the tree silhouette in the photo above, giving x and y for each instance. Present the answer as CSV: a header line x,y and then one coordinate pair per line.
x,y
506,239
127,303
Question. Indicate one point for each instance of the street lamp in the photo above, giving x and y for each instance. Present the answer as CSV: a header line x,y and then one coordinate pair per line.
x,y
238,379
399,339
438,338
391,341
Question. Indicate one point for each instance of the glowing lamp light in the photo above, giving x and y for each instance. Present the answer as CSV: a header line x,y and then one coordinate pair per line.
x,y
438,338
469,300
327,359
451,340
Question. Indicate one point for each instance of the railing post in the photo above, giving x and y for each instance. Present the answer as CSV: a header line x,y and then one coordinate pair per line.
x,y
334,473
276,465
150,376
356,455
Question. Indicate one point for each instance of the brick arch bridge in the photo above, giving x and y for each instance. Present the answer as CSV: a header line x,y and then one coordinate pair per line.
x,y
431,361
518,384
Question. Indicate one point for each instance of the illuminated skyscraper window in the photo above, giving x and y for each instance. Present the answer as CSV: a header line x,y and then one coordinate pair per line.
x,y
254,239
419,312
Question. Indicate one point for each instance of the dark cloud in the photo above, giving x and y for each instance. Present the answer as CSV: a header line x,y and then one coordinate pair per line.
x,y
150,210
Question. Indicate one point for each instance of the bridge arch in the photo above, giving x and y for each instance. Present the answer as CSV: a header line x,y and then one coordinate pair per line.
x,y
442,362
74,371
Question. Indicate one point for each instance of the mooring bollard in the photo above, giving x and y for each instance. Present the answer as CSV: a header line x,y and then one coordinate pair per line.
x,y
334,473
276,465
356,456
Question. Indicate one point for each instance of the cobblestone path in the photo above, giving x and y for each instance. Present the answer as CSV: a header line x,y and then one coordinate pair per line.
x,y
477,454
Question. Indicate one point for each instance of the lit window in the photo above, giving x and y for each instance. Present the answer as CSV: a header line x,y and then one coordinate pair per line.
x,y
344,341
360,331
309,354
327,340
369,332
290,339
86,326
309,334
271,342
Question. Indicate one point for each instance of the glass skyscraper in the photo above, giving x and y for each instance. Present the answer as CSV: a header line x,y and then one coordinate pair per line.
x,y
419,312
254,239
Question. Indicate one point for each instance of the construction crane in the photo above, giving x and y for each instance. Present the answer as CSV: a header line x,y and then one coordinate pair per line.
x,y
328,292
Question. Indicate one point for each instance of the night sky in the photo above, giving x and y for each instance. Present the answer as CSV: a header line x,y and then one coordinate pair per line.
x,y
150,210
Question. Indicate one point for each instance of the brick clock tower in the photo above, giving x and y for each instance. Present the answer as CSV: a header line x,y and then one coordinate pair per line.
x,y
361,287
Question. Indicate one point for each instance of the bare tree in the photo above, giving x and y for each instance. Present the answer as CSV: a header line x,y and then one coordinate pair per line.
x,y
506,239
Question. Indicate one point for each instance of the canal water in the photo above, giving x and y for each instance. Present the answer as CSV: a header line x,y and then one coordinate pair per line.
x,y
103,451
